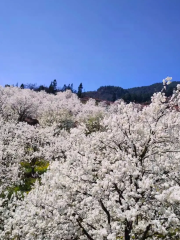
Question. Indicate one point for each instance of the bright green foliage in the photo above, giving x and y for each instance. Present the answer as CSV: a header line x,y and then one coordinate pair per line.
x,y
40,166
24,188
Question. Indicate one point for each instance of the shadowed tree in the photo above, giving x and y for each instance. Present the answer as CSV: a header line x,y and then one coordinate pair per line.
x,y
114,98
80,88
53,87
22,86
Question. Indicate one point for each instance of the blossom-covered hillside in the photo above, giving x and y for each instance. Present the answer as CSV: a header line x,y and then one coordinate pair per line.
x,y
88,171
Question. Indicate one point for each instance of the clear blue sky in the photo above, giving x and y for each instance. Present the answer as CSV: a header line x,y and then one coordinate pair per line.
x,y
123,43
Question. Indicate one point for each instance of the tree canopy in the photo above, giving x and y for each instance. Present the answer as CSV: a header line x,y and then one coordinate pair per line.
x,y
89,171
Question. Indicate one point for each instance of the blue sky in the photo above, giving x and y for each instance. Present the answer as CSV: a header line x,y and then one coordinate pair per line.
x,y
123,43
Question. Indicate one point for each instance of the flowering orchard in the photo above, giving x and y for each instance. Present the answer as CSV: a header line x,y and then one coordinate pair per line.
x,y
97,172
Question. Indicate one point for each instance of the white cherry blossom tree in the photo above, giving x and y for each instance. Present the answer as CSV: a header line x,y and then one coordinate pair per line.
x,y
119,181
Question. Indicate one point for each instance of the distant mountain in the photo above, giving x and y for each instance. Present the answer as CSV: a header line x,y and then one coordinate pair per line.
x,y
137,94
107,93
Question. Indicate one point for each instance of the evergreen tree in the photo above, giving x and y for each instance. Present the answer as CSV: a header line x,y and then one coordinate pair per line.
x,y
22,86
41,87
80,88
53,87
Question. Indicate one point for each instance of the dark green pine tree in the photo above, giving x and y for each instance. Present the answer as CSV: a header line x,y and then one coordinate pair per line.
x,y
80,88
53,87
22,86
41,88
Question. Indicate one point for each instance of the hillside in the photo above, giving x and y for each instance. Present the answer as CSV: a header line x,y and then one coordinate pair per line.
x,y
107,93
137,94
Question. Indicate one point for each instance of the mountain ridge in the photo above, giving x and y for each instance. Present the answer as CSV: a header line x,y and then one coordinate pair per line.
x,y
135,94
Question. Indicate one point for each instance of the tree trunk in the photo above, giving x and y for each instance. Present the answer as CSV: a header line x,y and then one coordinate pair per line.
x,y
128,229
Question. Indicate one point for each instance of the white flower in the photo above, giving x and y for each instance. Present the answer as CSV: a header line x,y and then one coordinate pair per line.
x,y
164,81
169,82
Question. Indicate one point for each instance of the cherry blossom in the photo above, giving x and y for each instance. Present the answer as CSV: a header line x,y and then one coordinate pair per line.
x,y
115,175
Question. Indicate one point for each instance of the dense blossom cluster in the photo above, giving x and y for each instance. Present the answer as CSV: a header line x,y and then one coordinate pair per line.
x,y
114,171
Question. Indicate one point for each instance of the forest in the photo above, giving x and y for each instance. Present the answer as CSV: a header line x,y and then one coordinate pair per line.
x,y
108,93
85,171
136,94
